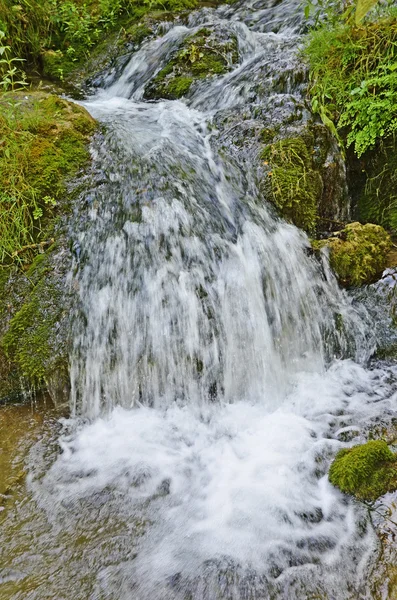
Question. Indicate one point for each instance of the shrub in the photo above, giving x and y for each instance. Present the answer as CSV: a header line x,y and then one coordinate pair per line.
x,y
69,28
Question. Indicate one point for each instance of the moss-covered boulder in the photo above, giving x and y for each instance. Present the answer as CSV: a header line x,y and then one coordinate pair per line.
x,y
31,339
45,145
366,471
304,176
208,52
358,254
295,185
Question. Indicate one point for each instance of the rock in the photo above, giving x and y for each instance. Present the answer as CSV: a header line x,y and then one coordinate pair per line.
x,y
358,254
206,53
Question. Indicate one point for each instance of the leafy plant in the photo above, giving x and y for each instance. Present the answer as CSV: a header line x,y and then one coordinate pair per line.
x,y
353,78
33,28
12,78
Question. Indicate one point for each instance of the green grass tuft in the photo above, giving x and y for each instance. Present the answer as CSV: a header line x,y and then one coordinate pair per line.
x,y
295,185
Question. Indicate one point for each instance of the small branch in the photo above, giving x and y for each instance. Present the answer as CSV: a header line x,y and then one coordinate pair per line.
x,y
40,246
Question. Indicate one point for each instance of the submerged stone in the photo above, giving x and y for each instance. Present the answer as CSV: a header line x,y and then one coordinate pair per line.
x,y
367,471
358,254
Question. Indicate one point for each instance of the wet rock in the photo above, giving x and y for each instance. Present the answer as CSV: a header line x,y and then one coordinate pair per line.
x,y
207,53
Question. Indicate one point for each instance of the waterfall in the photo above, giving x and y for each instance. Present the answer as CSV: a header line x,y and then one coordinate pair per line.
x,y
192,290
216,367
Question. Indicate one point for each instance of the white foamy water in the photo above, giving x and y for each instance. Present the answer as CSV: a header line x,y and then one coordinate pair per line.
x,y
235,493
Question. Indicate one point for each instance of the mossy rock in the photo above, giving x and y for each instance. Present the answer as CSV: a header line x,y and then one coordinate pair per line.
x,y
34,339
358,253
45,144
304,176
366,471
206,53
294,184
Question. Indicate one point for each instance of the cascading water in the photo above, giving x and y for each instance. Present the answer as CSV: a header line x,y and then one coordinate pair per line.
x,y
207,358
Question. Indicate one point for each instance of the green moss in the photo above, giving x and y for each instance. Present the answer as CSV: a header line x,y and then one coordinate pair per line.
x,y
294,184
137,33
30,336
267,135
358,253
45,143
366,471
202,54
387,353
208,64
178,87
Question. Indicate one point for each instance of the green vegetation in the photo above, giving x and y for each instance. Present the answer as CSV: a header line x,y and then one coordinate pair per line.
x,y
358,253
43,142
295,185
377,201
58,34
29,339
202,54
366,471
354,78
352,55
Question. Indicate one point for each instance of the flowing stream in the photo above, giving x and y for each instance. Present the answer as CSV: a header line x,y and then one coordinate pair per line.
x,y
216,367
